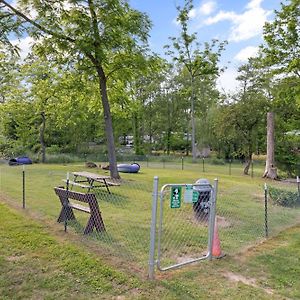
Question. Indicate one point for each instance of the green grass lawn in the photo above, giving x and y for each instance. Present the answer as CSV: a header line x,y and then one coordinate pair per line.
x,y
127,216
39,262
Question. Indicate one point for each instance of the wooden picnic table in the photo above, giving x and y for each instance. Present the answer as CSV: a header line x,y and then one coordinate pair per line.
x,y
90,181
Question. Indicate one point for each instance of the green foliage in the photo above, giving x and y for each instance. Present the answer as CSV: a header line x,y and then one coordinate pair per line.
x,y
217,161
198,61
284,197
282,38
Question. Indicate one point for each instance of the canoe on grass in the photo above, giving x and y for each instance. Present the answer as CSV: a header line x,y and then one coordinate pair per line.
x,y
22,160
128,168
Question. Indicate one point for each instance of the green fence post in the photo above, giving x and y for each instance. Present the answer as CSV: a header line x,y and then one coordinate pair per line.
x,y
266,211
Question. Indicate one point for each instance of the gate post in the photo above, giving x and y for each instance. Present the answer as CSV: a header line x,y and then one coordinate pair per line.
x,y
153,229
212,218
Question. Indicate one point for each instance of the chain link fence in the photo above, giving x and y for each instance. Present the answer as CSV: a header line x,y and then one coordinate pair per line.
x,y
126,211
185,224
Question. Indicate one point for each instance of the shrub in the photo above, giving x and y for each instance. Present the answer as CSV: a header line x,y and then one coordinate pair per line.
x,y
284,197
62,158
217,161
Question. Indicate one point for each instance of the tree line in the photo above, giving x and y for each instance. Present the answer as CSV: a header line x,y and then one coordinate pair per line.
x,y
91,77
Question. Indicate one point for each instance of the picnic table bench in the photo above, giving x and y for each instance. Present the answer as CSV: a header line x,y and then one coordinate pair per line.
x,y
66,213
90,181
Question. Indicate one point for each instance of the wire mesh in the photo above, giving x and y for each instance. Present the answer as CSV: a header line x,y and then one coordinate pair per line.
x,y
126,211
184,224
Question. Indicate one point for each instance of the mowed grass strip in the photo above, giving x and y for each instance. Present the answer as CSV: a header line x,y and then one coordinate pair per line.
x,y
276,263
35,265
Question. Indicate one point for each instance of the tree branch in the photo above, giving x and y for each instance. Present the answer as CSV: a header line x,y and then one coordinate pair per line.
x,y
45,30
35,24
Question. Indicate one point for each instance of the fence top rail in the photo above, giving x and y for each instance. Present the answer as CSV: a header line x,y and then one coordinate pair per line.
x,y
183,185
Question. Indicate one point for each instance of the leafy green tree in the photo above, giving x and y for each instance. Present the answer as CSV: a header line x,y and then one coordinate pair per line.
x,y
282,40
186,51
280,54
240,121
10,85
107,36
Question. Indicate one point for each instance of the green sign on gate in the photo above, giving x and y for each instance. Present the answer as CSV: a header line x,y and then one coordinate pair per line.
x,y
175,197
195,196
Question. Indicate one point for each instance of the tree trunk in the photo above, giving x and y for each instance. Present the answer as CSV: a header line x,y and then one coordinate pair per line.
x,y
168,141
108,125
187,142
247,166
136,131
194,152
249,160
270,170
169,129
42,137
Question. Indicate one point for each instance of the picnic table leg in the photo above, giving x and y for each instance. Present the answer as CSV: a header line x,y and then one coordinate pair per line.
x,y
91,182
75,180
106,185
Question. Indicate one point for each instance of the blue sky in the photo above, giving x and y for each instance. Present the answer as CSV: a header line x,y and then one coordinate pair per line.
x,y
240,22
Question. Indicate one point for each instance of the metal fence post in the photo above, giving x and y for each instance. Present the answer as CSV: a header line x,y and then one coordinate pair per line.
x,y
153,229
65,203
298,184
203,169
181,162
229,166
252,169
212,219
23,185
266,211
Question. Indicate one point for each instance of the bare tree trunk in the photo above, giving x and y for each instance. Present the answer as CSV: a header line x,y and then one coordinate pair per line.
x,y
108,125
270,170
194,150
137,136
187,142
247,166
249,159
42,137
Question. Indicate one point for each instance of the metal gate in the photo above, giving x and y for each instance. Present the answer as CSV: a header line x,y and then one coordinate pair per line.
x,y
186,218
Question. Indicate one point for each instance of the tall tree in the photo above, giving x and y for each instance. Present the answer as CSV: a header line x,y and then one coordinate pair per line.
x,y
107,33
186,51
281,53
282,36
270,170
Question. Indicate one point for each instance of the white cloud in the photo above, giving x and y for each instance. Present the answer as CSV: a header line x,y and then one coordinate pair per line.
x,y
246,53
253,4
207,7
245,25
193,13
221,16
25,45
227,82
